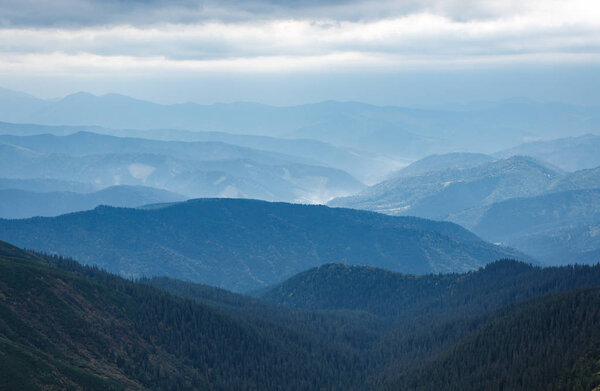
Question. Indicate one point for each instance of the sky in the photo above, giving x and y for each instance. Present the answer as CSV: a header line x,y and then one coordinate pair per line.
x,y
396,52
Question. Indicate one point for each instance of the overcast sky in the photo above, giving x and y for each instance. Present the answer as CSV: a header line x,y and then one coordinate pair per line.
x,y
287,52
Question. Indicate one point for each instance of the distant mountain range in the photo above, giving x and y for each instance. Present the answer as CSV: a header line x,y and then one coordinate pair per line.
x,y
18,204
245,244
441,162
392,130
570,153
311,154
582,179
519,201
557,228
367,166
336,327
46,185
193,169
441,193
88,143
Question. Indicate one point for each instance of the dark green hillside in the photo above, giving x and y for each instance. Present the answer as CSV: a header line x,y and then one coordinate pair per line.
x,y
81,328
431,314
67,326
245,244
402,296
551,343
349,332
427,315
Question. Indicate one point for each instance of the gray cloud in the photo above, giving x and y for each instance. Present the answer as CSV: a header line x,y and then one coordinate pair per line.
x,y
80,13
417,36
90,38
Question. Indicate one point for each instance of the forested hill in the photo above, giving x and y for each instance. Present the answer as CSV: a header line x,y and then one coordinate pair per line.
x,y
473,331
67,326
395,295
71,327
549,344
245,244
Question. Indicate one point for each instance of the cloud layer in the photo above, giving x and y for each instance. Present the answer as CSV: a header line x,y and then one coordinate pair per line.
x,y
78,13
92,37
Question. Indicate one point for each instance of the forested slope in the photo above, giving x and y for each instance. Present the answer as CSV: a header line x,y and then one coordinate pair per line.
x,y
507,326
82,328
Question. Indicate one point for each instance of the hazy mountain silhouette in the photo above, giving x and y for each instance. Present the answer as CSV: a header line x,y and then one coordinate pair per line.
x,y
17,204
442,162
442,193
551,227
571,153
193,169
393,130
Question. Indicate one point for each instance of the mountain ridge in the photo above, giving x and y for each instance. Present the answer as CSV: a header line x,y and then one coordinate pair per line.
x,y
569,153
437,194
394,130
199,169
212,240
365,165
